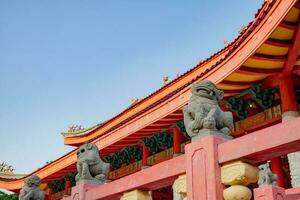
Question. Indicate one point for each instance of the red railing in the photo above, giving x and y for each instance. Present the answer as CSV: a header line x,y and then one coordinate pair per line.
x,y
202,161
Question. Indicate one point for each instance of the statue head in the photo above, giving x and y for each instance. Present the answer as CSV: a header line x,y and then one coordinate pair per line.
x,y
207,89
264,167
32,181
88,152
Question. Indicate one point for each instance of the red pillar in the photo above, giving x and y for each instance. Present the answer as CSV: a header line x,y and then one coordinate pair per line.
x,y
49,192
203,172
288,103
67,187
177,139
276,168
146,154
287,94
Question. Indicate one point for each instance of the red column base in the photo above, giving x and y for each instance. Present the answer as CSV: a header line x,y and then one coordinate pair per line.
x,y
270,193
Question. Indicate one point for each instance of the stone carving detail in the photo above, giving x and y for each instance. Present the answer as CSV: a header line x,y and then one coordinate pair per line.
x,y
203,115
179,188
239,173
136,195
237,192
5,168
166,80
266,177
31,190
75,128
91,169
294,162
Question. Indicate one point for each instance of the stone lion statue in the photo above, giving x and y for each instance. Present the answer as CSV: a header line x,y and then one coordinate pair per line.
x,y
203,113
31,190
265,176
91,169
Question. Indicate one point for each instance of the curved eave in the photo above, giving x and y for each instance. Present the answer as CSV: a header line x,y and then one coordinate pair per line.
x,y
11,176
81,132
167,101
54,170
147,102
216,68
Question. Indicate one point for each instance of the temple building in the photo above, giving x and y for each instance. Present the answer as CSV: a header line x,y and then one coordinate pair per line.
x,y
153,156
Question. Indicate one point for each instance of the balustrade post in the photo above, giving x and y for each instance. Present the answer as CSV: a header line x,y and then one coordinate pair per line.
x,y
270,193
203,170
78,192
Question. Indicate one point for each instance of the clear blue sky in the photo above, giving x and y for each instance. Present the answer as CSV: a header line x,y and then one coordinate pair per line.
x,y
81,61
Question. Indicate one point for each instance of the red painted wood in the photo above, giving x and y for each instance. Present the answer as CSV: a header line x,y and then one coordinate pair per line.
x,y
287,94
264,144
177,139
293,193
293,52
152,178
146,154
276,168
49,192
269,193
203,170
67,186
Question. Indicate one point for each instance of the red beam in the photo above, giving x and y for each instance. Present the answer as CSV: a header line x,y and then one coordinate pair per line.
x,y
238,83
264,144
297,5
293,53
172,118
255,71
279,43
288,25
258,56
152,178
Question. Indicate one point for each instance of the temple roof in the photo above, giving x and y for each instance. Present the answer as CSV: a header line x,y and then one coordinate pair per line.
x,y
263,50
267,60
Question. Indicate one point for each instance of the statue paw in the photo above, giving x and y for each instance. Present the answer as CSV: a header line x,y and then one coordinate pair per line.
x,y
226,131
209,123
101,178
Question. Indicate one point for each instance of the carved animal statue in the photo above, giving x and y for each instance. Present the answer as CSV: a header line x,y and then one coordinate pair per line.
x,y
90,167
31,190
266,177
204,112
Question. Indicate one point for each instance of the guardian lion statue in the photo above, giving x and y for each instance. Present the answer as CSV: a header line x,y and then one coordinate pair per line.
x,y
31,190
265,176
91,169
203,115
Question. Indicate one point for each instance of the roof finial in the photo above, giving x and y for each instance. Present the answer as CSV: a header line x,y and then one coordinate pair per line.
x,y
226,43
166,80
5,168
75,128
242,30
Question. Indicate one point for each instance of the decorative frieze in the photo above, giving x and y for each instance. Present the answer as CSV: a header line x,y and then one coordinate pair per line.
x,y
257,119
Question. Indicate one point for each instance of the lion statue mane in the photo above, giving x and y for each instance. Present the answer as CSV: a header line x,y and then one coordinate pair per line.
x,y
204,113
31,190
91,169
